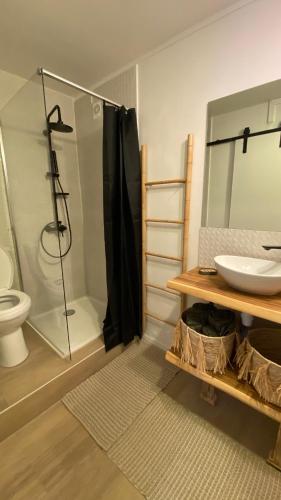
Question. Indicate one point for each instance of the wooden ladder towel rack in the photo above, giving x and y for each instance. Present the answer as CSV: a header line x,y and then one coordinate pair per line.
x,y
148,220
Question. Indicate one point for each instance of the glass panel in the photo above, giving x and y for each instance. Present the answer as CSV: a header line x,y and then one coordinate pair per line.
x,y
30,195
79,159
255,200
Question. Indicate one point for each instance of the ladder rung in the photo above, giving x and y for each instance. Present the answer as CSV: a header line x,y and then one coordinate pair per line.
x,y
165,221
163,289
166,181
161,256
154,316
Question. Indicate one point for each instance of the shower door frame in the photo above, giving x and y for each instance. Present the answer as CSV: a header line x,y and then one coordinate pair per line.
x,y
55,209
68,354
44,74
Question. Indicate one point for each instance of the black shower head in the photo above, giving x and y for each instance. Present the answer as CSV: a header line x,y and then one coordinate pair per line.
x,y
58,126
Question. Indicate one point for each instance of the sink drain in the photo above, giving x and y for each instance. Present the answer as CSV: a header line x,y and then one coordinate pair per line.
x,y
69,312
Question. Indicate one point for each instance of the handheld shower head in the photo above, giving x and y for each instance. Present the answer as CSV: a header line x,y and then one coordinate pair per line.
x,y
58,126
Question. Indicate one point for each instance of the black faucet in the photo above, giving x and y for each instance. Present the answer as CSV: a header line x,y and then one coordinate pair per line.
x,y
271,247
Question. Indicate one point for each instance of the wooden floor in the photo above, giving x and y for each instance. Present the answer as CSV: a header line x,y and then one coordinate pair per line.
x,y
53,457
42,364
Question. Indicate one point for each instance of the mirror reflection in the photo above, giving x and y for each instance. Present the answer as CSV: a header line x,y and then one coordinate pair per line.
x,y
242,183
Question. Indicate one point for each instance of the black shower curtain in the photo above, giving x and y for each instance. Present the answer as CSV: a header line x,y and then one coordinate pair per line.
x,y
122,225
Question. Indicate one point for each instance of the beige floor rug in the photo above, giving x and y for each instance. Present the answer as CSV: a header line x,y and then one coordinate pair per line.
x,y
169,453
108,402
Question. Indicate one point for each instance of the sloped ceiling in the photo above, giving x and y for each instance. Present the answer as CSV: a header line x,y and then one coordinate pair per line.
x,y
86,40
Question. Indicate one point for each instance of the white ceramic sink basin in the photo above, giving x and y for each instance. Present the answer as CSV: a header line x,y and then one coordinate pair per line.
x,y
257,276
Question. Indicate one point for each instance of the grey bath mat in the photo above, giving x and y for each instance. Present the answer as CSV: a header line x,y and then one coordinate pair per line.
x,y
108,402
171,453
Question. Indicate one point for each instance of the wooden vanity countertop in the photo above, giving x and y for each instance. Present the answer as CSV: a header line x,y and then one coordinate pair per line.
x,y
215,289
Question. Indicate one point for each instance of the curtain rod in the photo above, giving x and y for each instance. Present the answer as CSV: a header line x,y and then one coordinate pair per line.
x,y
43,71
245,136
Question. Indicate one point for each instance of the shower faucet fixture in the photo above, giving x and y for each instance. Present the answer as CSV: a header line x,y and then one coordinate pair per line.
x,y
58,126
58,192
53,227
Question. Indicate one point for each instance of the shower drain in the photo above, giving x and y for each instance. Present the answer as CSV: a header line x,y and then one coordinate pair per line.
x,y
69,312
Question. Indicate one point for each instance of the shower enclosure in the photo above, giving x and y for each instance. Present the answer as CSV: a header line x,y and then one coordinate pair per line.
x,y
52,143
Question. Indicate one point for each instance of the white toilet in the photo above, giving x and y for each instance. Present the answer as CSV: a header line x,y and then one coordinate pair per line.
x,y
14,309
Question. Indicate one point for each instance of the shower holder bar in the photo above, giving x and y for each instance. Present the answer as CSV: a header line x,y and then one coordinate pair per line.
x,y
62,194
52,174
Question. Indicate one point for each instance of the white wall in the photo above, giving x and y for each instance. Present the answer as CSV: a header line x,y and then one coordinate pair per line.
x,y
234,53
9,85
6,237
121,88
65,146
89,135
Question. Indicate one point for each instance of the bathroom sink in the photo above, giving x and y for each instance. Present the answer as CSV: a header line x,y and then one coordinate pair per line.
x,y
259,276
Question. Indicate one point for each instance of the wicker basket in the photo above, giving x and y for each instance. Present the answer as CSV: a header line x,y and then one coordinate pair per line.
x,y
204,352
259,362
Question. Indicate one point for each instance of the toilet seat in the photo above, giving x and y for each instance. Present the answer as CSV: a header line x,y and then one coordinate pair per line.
x,y
17,302
20,305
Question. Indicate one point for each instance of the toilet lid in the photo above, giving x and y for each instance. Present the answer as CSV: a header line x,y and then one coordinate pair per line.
x,y
6,270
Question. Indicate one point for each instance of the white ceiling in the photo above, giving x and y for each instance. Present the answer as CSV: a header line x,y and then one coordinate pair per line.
x,y
86,40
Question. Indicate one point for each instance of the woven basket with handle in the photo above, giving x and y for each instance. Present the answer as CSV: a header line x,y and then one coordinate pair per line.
x,y
204,352
259,362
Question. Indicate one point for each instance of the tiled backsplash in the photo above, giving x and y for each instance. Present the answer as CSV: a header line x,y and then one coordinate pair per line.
x,y
220,241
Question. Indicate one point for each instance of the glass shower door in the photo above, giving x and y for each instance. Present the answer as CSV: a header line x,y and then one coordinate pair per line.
x,y
27,165
76,139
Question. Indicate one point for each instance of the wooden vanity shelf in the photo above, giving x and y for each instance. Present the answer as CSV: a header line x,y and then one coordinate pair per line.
x,y
231,385
215,289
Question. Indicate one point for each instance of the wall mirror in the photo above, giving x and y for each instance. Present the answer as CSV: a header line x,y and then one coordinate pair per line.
x,y
242,180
